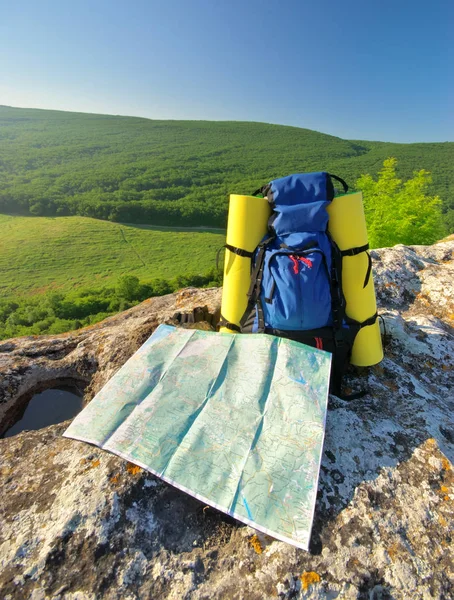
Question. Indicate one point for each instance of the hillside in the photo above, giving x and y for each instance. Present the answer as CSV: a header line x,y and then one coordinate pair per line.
x,y
62,254
130,169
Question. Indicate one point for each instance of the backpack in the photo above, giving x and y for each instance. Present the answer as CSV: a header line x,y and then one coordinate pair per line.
x,y
296,272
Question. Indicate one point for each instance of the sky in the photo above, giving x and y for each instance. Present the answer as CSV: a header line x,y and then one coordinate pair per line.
x,y
357,69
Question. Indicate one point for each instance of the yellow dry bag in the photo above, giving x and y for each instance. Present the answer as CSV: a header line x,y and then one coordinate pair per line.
x,y
246,226
347,225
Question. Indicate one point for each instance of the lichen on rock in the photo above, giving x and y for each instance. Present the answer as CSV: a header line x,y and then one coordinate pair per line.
x,y
78,523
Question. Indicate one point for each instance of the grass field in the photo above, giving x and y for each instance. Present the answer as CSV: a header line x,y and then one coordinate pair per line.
x,y
39,254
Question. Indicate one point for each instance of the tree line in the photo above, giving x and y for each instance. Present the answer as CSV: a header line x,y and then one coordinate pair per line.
x,y
54,313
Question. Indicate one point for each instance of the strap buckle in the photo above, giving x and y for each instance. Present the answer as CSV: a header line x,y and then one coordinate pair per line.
x,y
339,338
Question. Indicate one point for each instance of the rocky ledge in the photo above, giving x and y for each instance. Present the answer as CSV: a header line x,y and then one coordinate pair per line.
x,y
78,523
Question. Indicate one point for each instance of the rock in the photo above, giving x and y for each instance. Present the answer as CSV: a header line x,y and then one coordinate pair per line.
x,y
90,356
78,523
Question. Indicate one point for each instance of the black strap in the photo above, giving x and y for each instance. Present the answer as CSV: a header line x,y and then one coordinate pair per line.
x,y
386,336
239,251
338,304
358,250
370,321
254,290
258,192
344,184
260,316
224,323
256,286
235,250
369,270
355,251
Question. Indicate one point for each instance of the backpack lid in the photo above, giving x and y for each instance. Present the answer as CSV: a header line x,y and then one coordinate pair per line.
x,y
299,202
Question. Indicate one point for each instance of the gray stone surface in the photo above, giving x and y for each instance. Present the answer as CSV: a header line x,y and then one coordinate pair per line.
x,y
77,523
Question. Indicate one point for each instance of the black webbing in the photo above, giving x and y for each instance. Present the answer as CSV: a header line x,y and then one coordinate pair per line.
x,y
260,317
255,287
224,323
360,324
344,184
370,321
369,270
337,296
385,333
358,250
355,251
239,251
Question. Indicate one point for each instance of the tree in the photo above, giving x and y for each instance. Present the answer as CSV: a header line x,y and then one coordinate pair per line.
x,y
400,212
128,287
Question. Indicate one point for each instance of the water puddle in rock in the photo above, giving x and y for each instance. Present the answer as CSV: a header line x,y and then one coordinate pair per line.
x,y
47,408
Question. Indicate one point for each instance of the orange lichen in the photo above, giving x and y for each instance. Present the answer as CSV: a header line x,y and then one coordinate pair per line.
x,y
446,465
423,298
90,463
133,469
308,578
114,479
393,550
255,543
444,489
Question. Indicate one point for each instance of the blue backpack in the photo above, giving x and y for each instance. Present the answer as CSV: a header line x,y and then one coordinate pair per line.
x,y
296,272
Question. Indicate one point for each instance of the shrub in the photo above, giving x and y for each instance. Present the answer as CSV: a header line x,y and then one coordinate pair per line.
x,y
400,212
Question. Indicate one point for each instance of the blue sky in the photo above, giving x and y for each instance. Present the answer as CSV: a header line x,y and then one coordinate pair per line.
x,y
370,69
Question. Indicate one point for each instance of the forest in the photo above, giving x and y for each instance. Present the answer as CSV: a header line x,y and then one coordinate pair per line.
x,y
137,177
135,170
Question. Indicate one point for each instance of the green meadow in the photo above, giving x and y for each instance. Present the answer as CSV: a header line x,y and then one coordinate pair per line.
x,y
61,254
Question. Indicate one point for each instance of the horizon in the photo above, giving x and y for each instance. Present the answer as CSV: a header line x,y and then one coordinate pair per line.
x,y
358,71
81,112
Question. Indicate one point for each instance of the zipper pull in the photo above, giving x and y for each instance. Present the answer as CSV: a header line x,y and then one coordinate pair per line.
x,y
295,264
306,261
